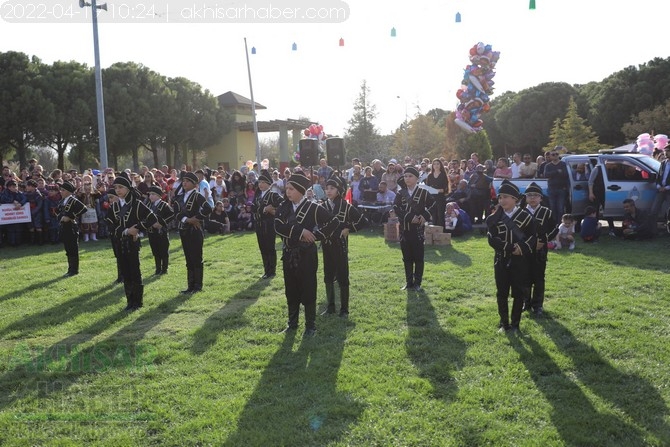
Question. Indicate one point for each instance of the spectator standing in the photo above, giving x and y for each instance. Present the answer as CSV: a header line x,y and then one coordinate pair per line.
x,y
528,168
438,180
12,196
516,164
558,182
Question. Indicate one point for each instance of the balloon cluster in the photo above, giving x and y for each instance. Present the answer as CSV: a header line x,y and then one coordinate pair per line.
x,y
477,86
315,131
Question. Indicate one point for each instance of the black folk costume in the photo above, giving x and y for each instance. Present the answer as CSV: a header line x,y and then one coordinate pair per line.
x,y
127,213
336,248
159,239
73,209
546,229
408,205
511,271
300,259
186,205
264,225
115,241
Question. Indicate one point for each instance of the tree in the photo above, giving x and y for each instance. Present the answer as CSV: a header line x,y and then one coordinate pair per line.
x,y
362,138
655,120
69,87
24,111
425,138
573,133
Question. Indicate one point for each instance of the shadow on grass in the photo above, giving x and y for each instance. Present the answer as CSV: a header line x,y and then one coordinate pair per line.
x,y
637,399
227,317
35,372
573,415
434,351
27,289
296,401
447,253
61,313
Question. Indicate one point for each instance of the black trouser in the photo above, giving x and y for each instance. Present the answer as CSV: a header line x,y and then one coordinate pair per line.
x,y
160,245
537,274
116,248
300,284
191,242
69,234
265,235
437,212
336,261
130,260
511,273
411,244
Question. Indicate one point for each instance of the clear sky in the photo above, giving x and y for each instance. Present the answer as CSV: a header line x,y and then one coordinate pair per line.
x,y
574,41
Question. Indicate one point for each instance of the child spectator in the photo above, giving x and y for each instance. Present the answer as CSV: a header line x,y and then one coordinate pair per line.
x,y
36,200
566,233
245,218
590,225
218,222
51,202
231,212
12,195
456,221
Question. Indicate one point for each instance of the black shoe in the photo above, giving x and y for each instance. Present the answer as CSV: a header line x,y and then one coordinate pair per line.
x,y
344,314
539,312
515,331
418,288
407,286
288,329
69,274
268,276
309,333
187,292
196,290
504,327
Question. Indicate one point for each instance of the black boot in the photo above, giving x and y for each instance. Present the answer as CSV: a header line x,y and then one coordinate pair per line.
x,y
164,265
330,298
409,277
138,296
119,275
293,314
197,279
189,273
272,264
344,300
157,262
310,319
128,289
72,265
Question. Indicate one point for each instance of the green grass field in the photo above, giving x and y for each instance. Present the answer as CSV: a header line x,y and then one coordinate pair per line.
x,y
406,369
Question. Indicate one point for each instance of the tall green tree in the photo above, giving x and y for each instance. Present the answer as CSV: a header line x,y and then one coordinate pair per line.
x,y
24,110
573,133
70,89
362,137
656,120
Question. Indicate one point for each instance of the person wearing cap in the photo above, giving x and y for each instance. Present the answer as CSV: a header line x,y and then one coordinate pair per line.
x,y
512,234
300,223
159,240
112,198
130,217
546,230
336,247
191,209
69,210
264,207
412,206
